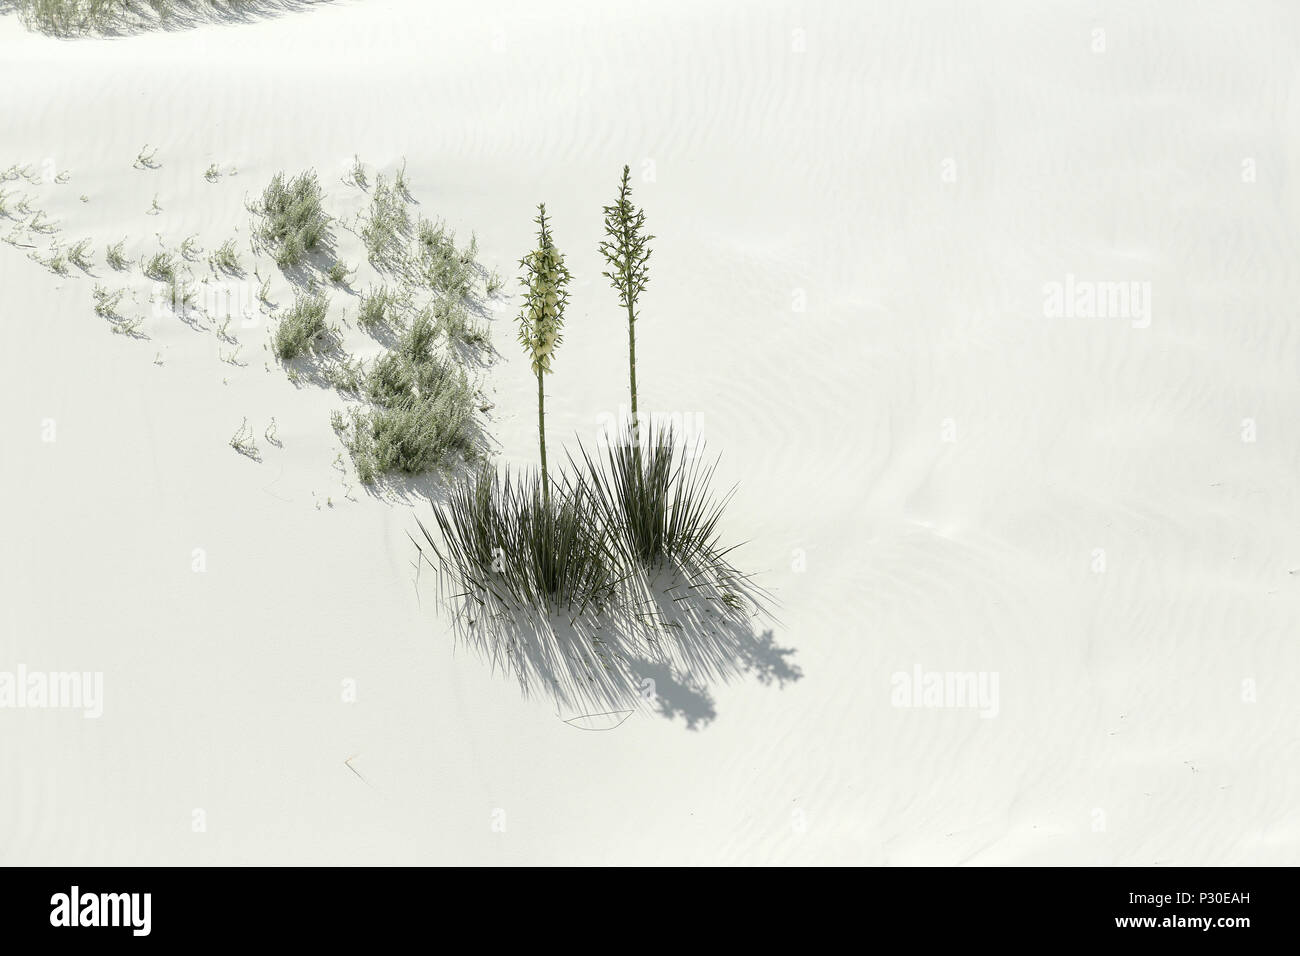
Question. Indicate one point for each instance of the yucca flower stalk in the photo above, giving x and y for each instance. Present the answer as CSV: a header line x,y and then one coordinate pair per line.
x,y
626,250
545,278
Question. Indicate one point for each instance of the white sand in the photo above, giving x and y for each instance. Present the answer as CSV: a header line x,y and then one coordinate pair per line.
x,y
1123,732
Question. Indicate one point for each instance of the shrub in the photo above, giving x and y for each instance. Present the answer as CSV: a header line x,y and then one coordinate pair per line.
x,y
376,308
294,222
160,267
421,416
338,273
106,302
387,224
79,254
302,328
445,269
417,341
453,322
115,256
226,258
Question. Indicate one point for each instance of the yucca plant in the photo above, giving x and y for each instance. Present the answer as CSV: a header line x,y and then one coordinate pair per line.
x,y
503,541
545,278
661,513
626,249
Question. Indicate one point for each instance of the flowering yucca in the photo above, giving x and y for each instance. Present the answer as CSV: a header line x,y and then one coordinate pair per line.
x,y
626,249
545,278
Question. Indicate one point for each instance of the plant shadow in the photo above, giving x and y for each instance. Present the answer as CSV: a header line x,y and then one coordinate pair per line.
x,y
661,652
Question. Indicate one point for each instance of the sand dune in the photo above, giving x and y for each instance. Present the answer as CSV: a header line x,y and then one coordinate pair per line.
x,y
857,212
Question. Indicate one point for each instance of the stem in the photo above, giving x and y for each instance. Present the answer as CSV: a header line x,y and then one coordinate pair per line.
x,y
631,359
541,436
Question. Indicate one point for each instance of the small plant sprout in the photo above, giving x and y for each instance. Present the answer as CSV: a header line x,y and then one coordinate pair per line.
x,y
226,258
212,173
63,177
494,283
79,255
161,267
244,443
400,182
545,278
339,272
357,173
85,198
57,261
154,208
145,158
264,291
190,248
16,236
130,328
626,250
115,255
106,302
271,434
40,224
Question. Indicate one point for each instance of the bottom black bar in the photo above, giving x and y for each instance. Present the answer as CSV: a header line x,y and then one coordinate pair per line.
x,y
134,906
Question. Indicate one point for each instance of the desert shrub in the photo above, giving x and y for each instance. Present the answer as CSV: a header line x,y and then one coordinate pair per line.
x,y
390,381
445,269
387,224
226,258
421,416
160,267
74,17
294,222
65,17
455,325
377,308
417,340
302,328
79,254
115,255
338,273
106,302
